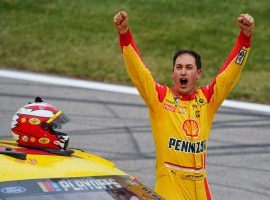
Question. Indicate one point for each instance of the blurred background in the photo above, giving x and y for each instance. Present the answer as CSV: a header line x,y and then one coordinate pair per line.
x,y
78,39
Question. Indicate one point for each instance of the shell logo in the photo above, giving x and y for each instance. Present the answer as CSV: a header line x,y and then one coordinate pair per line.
x,y
32,139
191,128
23,120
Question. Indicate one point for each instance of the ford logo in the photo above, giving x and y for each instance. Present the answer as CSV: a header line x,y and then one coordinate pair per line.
x,y
13,190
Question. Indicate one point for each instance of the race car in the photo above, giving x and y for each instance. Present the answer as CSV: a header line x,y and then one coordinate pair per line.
x,y
30,174
38,165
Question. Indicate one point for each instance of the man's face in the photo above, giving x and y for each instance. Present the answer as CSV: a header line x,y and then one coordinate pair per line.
x,y
185,74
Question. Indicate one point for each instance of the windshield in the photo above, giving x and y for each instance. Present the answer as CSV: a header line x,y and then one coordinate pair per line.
x,y
101,188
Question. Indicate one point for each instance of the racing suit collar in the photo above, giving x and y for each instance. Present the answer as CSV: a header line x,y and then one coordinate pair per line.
x,y
183,97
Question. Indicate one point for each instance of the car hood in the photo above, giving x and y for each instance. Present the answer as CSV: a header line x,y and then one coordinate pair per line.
x,y
39,164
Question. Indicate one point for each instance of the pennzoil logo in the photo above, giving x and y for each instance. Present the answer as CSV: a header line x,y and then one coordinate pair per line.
x,y
241,56
34,121
191,128
44,140
187,146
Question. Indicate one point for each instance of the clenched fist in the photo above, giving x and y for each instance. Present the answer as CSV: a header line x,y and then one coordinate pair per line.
x,y
246,23
120,21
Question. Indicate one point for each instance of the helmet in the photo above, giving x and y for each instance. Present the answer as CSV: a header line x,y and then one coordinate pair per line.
x,y
35,125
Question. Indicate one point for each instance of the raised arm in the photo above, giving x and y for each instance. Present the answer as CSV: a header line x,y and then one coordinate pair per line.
x,y
137,71
230,71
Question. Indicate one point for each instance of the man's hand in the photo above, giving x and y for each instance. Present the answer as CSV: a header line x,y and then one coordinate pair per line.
x,y
120,21
246,23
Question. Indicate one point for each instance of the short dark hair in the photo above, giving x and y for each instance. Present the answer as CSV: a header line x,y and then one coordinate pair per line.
x,y
192,53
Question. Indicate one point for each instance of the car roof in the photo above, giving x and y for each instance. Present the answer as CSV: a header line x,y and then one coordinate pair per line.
x,y
41,164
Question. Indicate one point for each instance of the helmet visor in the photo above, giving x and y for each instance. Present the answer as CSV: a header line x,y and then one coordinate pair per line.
x,y
57,123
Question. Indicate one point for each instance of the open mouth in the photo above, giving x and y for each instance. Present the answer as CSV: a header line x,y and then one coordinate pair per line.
x,y
183,81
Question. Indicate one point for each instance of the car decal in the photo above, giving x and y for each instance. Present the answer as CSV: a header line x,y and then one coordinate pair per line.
x,y
112,186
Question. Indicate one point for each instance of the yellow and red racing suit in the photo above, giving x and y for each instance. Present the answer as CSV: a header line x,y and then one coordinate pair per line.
x,y
181,124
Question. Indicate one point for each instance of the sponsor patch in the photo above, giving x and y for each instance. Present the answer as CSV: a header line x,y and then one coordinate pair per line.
x,y
191,128
187,146
197,113
194,106
241,56
201,101
182,113
182,107
34,121
23,120
25,138
32,139
44,140
171,102
170,108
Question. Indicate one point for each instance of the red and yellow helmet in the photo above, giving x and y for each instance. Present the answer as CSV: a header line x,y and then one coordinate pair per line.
x,y
35,125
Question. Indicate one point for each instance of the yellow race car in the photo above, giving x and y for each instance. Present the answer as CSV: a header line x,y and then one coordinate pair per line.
x,y
41,167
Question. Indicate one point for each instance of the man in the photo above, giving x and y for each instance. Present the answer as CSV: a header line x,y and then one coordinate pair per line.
x,y
181,116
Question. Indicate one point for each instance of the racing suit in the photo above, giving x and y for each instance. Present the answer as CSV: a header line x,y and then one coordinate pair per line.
x,y
181,124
